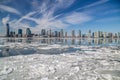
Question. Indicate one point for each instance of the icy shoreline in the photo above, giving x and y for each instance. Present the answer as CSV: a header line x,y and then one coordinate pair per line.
x,y
56,62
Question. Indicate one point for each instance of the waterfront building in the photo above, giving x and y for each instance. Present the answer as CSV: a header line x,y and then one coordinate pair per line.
x,y
62,33
66,35
79,33
118,34
7,30
73,33
50,34
98,34
93,35
83,35
43,32
28,32
89,34
56,34
11,34
110,35
20,33
104,34
115,35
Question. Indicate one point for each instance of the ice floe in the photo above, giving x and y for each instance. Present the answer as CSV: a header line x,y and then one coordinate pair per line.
x,y
59,62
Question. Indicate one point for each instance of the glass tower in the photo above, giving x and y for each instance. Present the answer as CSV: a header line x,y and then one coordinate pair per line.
x,y
7,30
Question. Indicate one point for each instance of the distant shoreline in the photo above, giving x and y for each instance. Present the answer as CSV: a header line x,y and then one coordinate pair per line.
x,y
54,38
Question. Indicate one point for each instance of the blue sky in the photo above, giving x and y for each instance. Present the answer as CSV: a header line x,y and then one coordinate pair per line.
x,y
95,15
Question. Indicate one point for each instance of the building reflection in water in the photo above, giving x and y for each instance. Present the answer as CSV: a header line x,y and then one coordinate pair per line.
x,y
10,40
104,41
119,41
43,41
89,41
20,40
109,40
29,40
79,41
94,41
73,42
66,43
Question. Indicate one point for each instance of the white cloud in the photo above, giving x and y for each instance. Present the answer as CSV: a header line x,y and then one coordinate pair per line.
x,y
5,19
64,3
94,4
48,20
77,18
9,9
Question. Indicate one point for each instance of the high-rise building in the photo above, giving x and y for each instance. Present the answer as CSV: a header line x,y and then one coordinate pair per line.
x,y
14,34
79,33
62,33
89,34
93,35
47,33
98,34
28,32
19,32
7,30
50,34
115,35
105,34
118,34
110,35
66,34
73,33
56,34
43,32
11,34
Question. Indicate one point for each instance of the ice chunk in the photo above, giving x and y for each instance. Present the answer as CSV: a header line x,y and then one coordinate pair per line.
x,y
74,70
107,76
6,70
46,78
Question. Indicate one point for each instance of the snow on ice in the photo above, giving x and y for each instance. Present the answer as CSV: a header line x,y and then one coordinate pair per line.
x,y
56,62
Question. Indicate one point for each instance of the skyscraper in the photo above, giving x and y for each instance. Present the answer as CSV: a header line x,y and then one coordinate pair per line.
x,y
50,34
43,32
93,35
115,36
89,34
62,33
105,34
66,34
56,34
73,33
7,30
110,35
28,32
19,32
79,33
98,34
118,34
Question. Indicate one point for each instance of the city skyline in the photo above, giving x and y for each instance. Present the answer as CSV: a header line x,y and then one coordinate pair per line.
x,y
100,15
59,34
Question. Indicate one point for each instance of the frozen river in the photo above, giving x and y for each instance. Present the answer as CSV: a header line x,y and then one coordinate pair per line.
x,y
59,59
